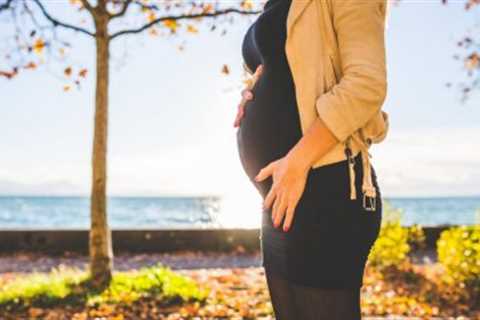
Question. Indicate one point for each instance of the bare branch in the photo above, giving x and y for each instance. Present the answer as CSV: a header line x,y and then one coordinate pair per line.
x,y
6,5
146,6
88,6
181,17
56,22
122,11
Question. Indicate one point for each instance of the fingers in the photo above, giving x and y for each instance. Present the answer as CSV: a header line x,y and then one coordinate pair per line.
x,y
279,209
267,203
247,95
239,116
290,213
258,72
266,171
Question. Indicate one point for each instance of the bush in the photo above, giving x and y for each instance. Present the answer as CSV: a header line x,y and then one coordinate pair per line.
x,y
394,241
458,250
71,287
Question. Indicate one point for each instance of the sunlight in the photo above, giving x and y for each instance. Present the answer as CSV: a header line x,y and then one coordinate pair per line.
x,y
240,208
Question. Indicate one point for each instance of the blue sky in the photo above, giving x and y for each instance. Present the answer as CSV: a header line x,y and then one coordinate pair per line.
x,y
171,115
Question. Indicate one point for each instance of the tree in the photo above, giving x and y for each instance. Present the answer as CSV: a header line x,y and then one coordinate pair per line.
x,y
470,56
42,33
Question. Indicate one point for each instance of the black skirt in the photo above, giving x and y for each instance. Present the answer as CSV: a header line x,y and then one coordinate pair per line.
x,y
328,243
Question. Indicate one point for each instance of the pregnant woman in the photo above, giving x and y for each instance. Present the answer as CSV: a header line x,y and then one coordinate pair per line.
x,y
309,166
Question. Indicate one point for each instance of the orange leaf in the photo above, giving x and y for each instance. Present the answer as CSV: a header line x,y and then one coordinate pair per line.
x,y
151,16
7,74
171,24
30,65
82,73
38,45
208,8
68,71
225,69
192,29
247,4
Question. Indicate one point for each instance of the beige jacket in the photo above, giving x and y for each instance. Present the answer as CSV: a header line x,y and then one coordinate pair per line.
x,y
336,53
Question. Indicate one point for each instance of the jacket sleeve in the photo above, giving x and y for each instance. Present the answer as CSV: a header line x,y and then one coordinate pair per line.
x,y
360,27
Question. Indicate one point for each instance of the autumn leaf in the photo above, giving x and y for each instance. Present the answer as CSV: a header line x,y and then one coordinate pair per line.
x,y
192,29
30,65
38,45
171,24
208,8
83,73
247,4
8,74
151,16
473,61
66,88
225,69
68,71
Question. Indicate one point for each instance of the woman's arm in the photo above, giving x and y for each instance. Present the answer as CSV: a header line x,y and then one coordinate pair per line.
x,y
360,93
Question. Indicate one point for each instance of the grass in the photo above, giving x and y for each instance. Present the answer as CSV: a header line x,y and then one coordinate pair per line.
x,y
66,286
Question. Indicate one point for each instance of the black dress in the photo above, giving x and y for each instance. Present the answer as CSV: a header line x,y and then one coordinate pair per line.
x,y
330,238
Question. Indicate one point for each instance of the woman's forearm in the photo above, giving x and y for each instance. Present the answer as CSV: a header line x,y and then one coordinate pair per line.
x,y
315,143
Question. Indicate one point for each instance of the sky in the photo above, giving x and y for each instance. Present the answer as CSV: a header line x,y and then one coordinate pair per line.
x,y
171,114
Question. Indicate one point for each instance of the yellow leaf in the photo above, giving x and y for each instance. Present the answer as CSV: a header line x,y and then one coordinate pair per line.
x,y
192,29
171,24
151,16
38,45
247,4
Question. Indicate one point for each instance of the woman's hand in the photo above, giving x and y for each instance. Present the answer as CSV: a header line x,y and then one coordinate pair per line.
x,y
289,178
247,95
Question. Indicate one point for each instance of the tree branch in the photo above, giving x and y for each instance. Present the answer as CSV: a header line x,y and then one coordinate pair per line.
x,y
6,5
87,6
145,6
56,22
180,17
122,11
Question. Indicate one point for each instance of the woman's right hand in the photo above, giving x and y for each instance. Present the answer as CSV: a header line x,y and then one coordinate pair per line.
x,y
247,95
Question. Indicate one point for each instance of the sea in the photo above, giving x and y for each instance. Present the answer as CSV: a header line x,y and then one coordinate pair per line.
x,y
41,212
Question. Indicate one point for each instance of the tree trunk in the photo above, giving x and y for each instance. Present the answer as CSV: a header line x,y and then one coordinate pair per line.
x,y
101,255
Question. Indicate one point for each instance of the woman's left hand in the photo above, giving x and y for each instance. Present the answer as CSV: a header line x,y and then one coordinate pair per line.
x,y
289,178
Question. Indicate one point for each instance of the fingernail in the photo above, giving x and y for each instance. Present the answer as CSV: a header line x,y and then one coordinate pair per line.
x,y
285,228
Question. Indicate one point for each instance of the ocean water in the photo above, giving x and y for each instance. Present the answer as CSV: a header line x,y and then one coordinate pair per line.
x,y
23,212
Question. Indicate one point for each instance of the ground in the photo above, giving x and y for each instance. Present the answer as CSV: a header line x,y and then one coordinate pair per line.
x,y
237,288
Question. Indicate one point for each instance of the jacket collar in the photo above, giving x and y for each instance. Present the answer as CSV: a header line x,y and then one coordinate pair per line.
x,y
296,9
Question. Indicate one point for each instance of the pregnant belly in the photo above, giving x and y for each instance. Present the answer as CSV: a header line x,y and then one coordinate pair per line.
x,y
270,126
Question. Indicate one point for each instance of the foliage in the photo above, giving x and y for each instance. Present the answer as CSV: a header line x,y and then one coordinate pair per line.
x,y
395,241
459,252
71,287
242,293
